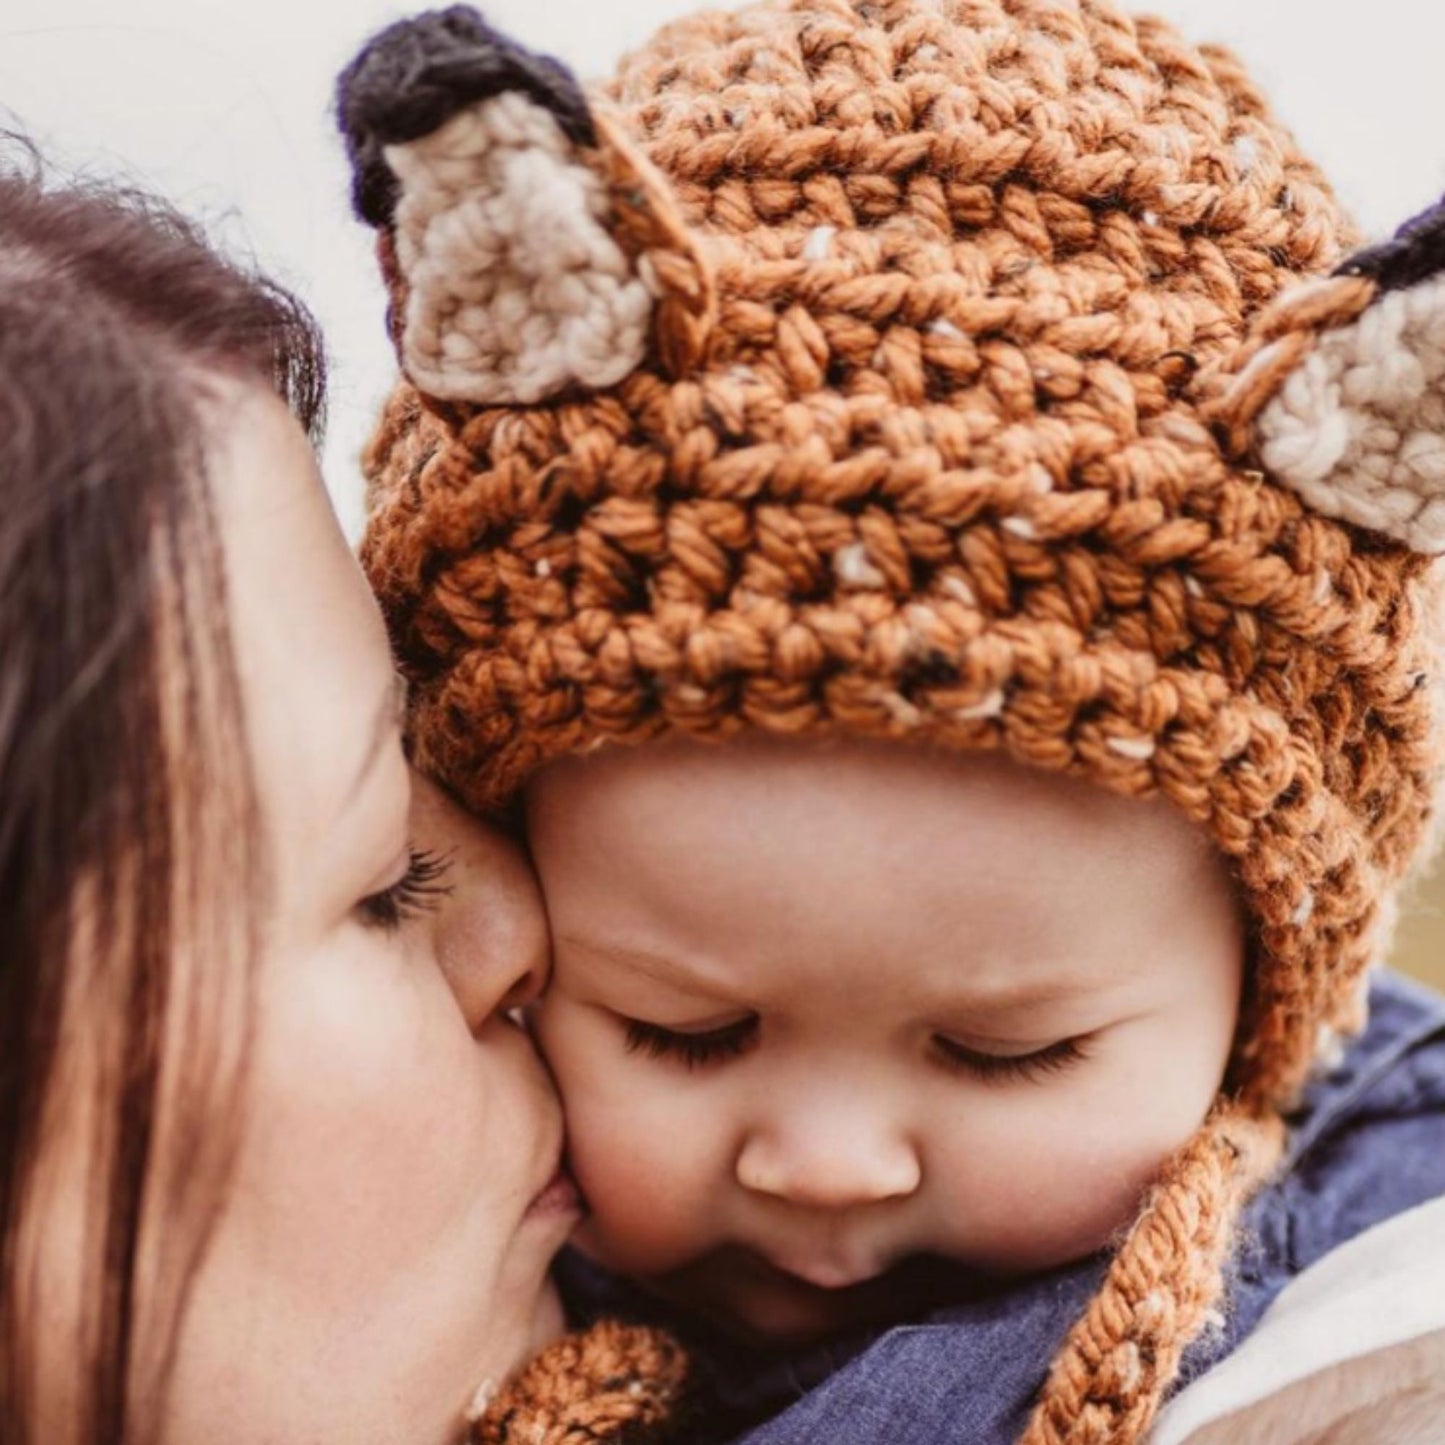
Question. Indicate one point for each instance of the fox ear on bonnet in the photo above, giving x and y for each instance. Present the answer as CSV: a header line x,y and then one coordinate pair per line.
x,y
529,247
1340,390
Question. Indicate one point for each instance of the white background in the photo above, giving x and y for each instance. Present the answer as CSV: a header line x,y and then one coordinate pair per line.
x,y
224,106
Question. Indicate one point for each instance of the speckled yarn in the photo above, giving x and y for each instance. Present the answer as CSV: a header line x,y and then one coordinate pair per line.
x,y
611,1383
980,403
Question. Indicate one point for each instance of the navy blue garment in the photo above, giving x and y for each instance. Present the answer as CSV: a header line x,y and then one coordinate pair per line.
x,y
1367,1144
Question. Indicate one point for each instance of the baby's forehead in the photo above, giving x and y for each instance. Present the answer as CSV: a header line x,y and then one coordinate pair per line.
x,y
813,848
765,787
863,894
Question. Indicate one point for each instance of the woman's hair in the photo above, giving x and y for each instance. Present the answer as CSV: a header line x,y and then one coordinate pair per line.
x,y
130,861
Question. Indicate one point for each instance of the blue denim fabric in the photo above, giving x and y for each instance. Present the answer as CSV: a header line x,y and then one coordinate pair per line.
x,y
1368,1143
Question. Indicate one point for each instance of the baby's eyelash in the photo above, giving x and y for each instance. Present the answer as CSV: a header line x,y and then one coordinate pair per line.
x,y
692,1050
1005,1068
419,890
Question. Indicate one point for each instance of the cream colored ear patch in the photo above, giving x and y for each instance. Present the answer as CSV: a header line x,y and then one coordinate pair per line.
x,y
1358,430
516,289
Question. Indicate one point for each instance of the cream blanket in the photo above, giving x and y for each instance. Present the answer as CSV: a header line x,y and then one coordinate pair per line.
x,y
1351,1353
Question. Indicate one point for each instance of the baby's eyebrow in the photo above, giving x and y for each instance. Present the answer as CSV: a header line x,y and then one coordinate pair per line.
x,y
1054,1002
1036,993
1003,1001
660,967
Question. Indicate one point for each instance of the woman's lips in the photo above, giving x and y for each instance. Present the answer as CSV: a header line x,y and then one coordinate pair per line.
x,y
558,1196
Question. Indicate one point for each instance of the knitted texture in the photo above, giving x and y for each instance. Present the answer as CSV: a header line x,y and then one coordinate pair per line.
x,y
613,1382
515,283
1335,431
976,327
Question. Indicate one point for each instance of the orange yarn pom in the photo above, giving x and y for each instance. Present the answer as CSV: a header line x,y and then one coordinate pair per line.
x,y
611,1382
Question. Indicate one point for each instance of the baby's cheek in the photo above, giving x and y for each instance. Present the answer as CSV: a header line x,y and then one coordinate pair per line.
x,y
1040,1219
641,1146
1057,1184
650,1182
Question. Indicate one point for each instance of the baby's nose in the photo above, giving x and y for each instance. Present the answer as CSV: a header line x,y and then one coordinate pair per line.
x,y
829,1168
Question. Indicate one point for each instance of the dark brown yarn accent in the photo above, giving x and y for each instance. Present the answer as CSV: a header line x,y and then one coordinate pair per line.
x,y
1414,254
415,75
958,451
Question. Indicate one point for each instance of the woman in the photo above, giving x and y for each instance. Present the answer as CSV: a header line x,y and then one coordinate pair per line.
x,y
277,1162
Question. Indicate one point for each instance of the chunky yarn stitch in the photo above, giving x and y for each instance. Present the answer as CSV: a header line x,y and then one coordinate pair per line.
x,y
968,416
613,1382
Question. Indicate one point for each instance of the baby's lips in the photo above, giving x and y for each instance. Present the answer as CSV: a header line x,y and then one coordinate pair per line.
x,y
821,1270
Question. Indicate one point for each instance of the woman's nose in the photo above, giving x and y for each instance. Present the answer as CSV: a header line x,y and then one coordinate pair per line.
x,y
490,932
829,1163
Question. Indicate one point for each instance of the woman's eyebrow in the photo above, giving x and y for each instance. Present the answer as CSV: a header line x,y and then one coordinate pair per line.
x,y
387,722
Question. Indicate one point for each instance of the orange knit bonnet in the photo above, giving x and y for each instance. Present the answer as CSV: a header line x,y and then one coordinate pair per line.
x,y
976,372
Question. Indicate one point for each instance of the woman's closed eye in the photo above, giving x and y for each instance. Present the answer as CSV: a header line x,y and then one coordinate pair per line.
x,y
993,1068
419,890
693,1050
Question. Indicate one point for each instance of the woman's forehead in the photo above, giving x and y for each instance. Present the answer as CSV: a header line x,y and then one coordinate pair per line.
x,y
314,665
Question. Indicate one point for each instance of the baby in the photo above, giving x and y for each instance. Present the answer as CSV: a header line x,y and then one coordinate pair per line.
x,y
896,495
826,1014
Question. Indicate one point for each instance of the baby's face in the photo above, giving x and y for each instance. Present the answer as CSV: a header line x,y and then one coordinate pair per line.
x,y
825,1014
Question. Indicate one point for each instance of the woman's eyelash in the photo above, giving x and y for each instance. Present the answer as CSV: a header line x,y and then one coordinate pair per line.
x,y
419,890
1005,1068
692,1050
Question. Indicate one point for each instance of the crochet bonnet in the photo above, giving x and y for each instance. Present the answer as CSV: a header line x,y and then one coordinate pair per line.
x,y
987,373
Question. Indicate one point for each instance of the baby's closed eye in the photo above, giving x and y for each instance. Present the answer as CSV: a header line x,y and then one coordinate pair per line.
x,y
693,1048
1030,1067
697,1047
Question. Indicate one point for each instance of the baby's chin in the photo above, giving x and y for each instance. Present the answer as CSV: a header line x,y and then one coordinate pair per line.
x,y
751,1299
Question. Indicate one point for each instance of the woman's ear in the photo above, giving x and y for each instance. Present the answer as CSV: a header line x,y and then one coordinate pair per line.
x,y
528,248
1340,392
